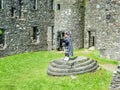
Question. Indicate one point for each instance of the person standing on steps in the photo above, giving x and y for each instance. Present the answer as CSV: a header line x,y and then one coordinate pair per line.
x,y
67,44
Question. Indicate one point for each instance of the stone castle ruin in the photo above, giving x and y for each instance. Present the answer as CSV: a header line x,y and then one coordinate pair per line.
x,y
34,25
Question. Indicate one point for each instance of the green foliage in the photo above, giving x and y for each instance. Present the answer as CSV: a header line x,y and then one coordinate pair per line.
x,y
1,32
28,72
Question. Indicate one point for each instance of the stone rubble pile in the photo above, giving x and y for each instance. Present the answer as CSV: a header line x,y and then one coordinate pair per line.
x,y
115,83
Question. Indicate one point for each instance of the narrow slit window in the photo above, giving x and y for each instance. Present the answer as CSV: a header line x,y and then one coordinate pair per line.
x,y
20,7
52,34
35,30
35,4
12,11
1,4
58,7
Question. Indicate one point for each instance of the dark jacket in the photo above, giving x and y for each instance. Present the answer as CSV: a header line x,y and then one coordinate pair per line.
x,y
67,43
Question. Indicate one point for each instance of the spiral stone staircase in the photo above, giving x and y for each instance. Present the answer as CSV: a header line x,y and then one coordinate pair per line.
x,y
78,65
115,83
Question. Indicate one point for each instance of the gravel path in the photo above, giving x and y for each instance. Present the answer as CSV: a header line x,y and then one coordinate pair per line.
x,y
109,67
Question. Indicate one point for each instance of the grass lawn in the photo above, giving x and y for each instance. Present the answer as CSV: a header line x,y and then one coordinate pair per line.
x,y
28,72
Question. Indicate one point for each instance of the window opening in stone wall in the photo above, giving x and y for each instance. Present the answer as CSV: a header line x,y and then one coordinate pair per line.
x,y
60,38
1,38
1,4
89,34
12,11
14,5
35,4
91,39
51,4
93,43
35,35
52,34
58,7
20,7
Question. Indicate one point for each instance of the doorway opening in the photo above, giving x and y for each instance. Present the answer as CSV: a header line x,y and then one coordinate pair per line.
x,y
91,40
50,37
60,38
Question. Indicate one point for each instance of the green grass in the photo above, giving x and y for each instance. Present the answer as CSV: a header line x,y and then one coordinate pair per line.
x,y
95,55
28,72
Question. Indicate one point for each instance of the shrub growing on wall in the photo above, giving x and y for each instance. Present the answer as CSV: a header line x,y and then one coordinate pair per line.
x,y
0,32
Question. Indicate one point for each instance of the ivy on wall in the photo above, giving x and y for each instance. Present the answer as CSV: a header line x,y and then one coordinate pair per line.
x,y
1,32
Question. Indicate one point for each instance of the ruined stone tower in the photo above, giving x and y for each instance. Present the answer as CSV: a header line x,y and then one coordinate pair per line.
x,y
69,16
102,27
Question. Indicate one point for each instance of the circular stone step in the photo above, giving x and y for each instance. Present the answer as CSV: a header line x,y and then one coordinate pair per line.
x,y
77,66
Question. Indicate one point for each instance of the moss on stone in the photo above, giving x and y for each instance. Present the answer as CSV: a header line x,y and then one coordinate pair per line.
x,y
84,3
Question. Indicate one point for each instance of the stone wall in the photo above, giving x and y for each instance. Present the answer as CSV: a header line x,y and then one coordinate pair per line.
x,y
18,34
103,18
100,27
69,16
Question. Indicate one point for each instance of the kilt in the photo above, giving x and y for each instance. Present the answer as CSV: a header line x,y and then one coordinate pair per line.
x,y
66,50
